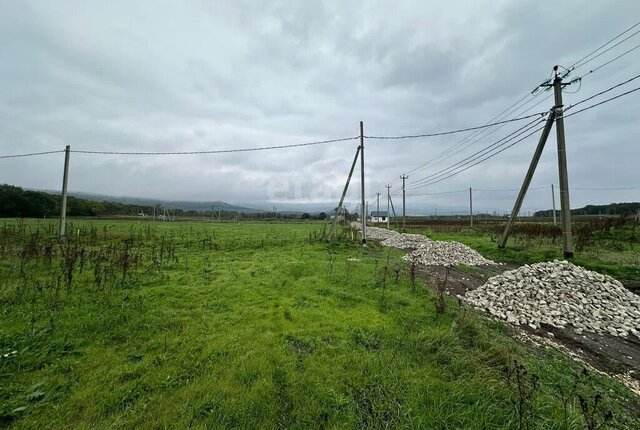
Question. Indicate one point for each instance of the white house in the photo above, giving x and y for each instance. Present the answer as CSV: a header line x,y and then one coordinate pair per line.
x,y
378,217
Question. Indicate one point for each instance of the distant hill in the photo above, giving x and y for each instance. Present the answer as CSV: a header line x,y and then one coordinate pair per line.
x,y
183,205
610,209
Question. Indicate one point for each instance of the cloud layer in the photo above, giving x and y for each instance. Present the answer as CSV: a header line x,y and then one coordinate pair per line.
x,y
159,76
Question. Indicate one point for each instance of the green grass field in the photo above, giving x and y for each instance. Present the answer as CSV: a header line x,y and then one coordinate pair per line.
x,y
131,324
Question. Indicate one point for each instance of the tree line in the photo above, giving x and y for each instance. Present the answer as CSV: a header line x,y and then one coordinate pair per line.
x,y
16,202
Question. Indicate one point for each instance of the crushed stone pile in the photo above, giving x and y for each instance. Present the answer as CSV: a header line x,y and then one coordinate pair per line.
x,y
560,294
436,253
426,251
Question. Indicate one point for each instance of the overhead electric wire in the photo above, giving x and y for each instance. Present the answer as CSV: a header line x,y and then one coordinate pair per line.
x,y
602,92
579,63
503,141
439,159
576,66
443,133
607,189
479,132
31,154
434,180
603,102
573,66
217,151
609,62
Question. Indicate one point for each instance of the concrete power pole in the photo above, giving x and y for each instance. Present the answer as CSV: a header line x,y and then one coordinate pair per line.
x,y
471,206
63,204
388,186
404,217
527,179
565,207
363,208
553,203
344,193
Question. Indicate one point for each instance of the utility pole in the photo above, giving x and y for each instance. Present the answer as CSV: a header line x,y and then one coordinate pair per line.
x,y
471,206
388,186
344,193
404,218
527,178
565,207
378,201
65,182
553,202
364,219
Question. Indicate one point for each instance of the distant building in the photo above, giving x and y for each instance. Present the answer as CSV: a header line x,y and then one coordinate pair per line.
x,y
379,216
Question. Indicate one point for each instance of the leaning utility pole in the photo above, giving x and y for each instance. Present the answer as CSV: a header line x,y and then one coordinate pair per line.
x,y
388,186
565,208
553,202
364,218
63,204
332,229
527,178
471,206
404,218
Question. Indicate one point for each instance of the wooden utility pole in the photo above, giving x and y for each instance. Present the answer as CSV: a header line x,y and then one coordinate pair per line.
x,y
471,206
553,202
404,217
364,219
565,207
378,201
63,203
332,229
527,178
388,186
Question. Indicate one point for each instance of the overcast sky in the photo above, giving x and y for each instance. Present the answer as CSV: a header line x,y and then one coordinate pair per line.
x,y
206,75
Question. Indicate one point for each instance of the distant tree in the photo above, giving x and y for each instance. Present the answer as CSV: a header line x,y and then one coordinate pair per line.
x,y
306,216
322,215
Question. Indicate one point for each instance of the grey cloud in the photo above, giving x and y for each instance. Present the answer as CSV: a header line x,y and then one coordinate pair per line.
x,y
221,75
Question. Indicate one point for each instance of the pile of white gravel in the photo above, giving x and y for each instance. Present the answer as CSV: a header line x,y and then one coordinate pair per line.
x,y
426,251
560,294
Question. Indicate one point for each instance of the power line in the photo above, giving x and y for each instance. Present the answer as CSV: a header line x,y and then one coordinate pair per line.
x,y
603,102
442,133
434,180
602,92
607,189
579,63
439,159
506,139
610,61
218,151
605,51
31,154
603,45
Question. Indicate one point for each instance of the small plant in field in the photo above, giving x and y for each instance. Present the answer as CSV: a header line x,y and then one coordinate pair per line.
x,y
567,394
70,253
525,387
396,270
441,302
412,274
332,258
595,417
